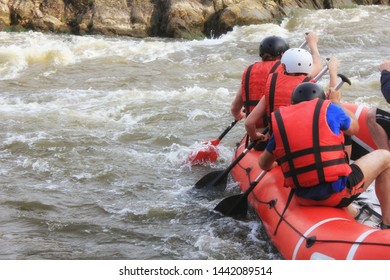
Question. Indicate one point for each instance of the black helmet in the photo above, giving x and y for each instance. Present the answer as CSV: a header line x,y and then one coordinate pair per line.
x,y
307,91
273,45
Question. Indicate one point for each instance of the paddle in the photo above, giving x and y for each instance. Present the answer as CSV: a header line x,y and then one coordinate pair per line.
x,y
304,43
344,79
219,177
359,148
237,205
208,151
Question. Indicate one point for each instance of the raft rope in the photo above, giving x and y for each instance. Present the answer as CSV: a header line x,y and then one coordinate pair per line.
x,y
290,196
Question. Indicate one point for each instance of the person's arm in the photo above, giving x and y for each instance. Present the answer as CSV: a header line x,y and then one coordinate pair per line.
x,y
385,79
312,40
250,122
353,127
333,65
266,160
236,106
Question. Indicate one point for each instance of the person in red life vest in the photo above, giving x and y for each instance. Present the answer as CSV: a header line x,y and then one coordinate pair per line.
x,y
255,76
308,143
378,120
299,66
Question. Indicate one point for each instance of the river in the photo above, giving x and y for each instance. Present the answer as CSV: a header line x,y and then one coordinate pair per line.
x,y
95,132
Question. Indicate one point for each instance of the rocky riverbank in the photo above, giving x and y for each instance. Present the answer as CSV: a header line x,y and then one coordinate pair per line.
x,y
186,19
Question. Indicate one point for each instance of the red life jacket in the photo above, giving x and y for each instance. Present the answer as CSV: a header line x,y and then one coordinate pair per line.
x,y
306,148
254,81
279,89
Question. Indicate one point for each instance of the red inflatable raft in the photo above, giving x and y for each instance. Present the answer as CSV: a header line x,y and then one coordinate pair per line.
x,y
310,232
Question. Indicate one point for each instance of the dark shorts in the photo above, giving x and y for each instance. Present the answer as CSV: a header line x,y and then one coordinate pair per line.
x,y
347,140
383,119
353,188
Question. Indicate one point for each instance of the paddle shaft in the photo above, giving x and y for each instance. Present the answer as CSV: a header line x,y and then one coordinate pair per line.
x,y
321,73
254,183
227,129
338,86
344,79
231,166
237,205
303,43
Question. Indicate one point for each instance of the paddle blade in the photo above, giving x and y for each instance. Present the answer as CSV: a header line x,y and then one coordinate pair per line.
x,y
207,153
233,206
213,180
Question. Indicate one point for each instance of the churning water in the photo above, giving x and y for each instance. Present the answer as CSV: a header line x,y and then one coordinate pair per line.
x,y
95,132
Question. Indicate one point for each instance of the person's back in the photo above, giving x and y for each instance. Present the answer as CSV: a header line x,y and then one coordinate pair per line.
x,y
306,170
254,77
279,89
254,80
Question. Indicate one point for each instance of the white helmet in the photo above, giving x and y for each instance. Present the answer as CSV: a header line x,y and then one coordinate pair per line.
x,y
297,60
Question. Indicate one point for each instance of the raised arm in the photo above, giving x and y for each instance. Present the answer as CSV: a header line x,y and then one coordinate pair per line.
x,y
312,41
333,65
